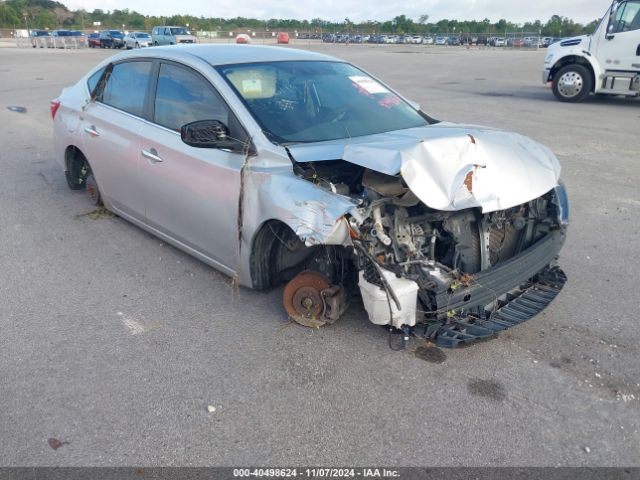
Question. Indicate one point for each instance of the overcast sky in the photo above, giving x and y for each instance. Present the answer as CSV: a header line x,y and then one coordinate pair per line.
x,y
582,11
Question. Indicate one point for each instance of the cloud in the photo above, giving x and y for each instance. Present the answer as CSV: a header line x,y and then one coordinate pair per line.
x,y
356,10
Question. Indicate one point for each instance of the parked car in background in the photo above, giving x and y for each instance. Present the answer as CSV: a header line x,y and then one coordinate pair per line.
x,y
428,40
93,40
111,39
497,42
441,40
137,40
63,38
40,38
171,36
545,42
454,40
417,39
79,38
516,42
283,37
337,184
243,39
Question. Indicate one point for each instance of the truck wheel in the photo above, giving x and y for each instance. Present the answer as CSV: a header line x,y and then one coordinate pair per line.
x,y
572,83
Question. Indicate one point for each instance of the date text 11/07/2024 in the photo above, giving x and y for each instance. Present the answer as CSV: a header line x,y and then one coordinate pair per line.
x,y
316,472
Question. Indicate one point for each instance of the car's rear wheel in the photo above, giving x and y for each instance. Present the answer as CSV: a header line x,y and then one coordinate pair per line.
x,y
77,170
572,83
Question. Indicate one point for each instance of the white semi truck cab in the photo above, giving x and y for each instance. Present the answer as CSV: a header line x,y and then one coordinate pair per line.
x,y
606,62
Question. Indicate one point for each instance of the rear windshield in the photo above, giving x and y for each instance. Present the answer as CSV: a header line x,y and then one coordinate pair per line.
x,y
142,35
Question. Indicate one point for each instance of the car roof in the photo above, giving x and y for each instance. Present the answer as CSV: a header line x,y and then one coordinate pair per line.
x,y
233,54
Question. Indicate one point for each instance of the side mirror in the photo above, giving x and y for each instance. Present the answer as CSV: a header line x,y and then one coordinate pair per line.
x,y
208,134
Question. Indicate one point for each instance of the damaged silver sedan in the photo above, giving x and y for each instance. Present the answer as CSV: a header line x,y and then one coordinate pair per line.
x,y
279,166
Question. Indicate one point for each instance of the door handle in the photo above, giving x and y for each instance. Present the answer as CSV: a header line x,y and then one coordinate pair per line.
x,y
152,156
91,130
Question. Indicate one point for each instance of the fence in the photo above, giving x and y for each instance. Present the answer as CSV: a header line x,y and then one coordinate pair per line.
x,y
507,40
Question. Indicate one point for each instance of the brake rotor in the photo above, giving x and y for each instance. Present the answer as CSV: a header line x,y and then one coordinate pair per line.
x,y
92,190
302,299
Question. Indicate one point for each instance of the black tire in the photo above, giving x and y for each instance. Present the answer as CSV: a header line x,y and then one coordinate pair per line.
x,y
572,83
93,191
77,171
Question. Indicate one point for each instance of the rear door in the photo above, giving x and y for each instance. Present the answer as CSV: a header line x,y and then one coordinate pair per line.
x,y
111,126
191,194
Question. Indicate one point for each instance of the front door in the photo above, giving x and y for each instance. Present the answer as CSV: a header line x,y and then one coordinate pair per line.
x,y
619,48
191,194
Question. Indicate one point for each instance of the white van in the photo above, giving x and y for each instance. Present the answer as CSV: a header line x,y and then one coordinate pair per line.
x,y
171,36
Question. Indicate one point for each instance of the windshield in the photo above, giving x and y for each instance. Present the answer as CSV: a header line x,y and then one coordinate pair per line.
x,y
141,35
179,31
115,33
316,101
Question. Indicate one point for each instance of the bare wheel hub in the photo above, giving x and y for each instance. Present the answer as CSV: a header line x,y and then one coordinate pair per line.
x,y
303,301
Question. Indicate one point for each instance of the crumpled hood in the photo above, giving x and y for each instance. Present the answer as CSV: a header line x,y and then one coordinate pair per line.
x,y
449,166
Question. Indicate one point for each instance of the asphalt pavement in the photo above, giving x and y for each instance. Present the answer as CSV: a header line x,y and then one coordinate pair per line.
x,y
115,344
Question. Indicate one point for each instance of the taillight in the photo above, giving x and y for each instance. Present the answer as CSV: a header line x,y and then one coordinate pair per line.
x,y
55,105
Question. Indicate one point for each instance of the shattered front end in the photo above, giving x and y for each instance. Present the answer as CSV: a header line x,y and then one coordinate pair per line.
x,y
470,274
460,243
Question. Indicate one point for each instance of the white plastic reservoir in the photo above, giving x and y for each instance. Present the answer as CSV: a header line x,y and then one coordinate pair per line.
x,y
377,306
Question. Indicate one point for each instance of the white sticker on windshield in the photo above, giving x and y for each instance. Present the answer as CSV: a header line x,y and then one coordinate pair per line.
x,y
251,86
369,85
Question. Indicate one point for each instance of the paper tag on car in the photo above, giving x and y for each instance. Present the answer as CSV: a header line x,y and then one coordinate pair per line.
x,y
369,85
251,86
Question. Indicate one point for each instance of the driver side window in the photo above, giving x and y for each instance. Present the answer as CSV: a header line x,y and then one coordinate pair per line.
x,y
183,96
627,17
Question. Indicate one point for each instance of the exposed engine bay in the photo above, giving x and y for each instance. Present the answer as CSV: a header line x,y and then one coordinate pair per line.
x,y
444,275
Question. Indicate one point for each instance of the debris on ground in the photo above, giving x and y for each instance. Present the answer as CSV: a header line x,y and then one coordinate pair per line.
x,y
97,214
55,443
14,108
211,408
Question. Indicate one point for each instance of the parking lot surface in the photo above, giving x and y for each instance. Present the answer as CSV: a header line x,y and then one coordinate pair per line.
x,y
117,343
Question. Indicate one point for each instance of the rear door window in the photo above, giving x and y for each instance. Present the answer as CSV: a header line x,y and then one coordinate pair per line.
x,y
126,87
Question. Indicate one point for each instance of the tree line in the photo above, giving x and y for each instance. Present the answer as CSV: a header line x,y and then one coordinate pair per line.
x,y
50,14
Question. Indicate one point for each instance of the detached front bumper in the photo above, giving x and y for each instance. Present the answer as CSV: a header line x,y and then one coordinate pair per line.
x,y
500,297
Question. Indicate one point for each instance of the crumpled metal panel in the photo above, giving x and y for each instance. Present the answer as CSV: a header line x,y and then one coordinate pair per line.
x,y
313,213
451,167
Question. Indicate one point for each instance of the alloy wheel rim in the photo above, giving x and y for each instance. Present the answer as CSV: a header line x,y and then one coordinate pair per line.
x,y
570,84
